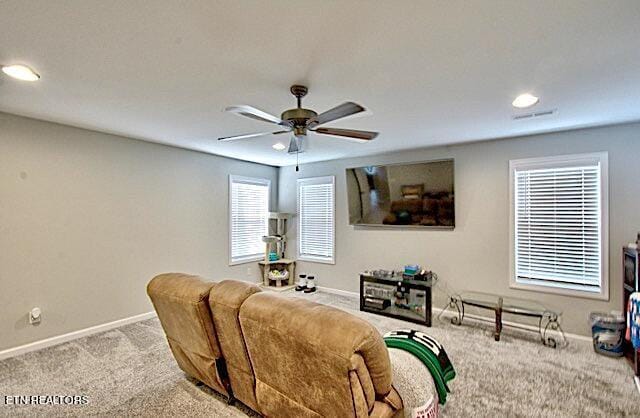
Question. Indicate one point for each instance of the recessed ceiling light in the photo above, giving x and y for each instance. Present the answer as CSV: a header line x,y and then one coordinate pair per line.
x,y
525,100
278,146
21,72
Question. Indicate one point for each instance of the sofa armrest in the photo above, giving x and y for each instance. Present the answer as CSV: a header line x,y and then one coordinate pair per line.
x,y
383,402
387,407
376,359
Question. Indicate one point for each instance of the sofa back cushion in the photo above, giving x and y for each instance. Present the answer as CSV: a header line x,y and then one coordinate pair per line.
x,y
307,357
225,300
182,304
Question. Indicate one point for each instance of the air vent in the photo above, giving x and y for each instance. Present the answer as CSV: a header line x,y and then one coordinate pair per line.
x,y
535,114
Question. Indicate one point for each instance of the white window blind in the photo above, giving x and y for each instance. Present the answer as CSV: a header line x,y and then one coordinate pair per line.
x,y
248,212
558,222
316,219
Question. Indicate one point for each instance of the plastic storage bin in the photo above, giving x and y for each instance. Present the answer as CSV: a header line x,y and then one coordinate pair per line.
x,y
607,330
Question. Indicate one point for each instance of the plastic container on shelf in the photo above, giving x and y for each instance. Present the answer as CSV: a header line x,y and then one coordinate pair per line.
x,y
607,330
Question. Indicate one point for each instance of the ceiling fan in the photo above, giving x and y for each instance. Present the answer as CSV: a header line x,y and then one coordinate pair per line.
x,y
299,121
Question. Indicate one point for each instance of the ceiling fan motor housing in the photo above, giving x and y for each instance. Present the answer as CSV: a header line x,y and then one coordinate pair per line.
x,y
299,118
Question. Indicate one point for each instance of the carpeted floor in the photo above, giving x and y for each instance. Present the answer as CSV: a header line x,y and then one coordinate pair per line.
x,y
129,371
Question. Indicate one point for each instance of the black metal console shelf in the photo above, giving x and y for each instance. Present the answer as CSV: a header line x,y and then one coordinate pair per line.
x,y
395,297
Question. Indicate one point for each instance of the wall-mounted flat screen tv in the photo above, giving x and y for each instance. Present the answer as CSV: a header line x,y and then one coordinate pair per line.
x,y
403,195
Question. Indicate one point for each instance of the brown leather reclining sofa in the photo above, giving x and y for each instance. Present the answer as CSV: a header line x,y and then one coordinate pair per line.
x,y
282,357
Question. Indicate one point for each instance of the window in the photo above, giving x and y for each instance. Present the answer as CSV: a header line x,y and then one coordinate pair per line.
x,y
248,218
559,225
316,219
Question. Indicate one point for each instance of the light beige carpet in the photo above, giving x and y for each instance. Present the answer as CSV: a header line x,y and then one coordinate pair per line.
x,y
129,371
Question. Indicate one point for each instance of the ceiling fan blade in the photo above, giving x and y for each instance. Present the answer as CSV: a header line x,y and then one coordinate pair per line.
x,y
347,133
338,112
253,113
245,136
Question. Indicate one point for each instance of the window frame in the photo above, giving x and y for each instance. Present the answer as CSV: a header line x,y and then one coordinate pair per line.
x,y
309,181
253,180
559,162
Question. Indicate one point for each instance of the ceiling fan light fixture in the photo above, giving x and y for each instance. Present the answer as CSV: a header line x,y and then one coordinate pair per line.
x,y
20,72
279,146
296,144
525,100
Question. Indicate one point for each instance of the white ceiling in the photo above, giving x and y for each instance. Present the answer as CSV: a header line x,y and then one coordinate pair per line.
x,y
429,72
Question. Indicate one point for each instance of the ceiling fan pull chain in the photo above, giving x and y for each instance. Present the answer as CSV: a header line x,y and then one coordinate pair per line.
x,y
297,160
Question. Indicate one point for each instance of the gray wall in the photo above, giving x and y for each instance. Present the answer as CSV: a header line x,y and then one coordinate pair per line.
x,y
475,256
86,219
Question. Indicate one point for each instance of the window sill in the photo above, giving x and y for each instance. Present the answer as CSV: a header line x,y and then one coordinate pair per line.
x,y
246,260
315,259
584,294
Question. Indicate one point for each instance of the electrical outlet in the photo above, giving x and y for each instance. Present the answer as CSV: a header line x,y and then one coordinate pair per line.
x,y
248,271
35,316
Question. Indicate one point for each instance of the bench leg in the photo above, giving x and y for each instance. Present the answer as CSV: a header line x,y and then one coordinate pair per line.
x,y
496,335
549,322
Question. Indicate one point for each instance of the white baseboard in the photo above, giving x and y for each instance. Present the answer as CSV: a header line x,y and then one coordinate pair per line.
x,y
339,291
436,311
59,339
322,288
